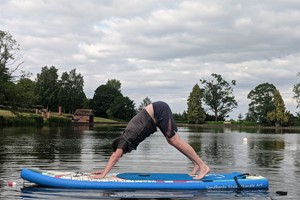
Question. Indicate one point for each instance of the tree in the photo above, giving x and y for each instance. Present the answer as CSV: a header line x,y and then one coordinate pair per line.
x,y
114,83
261,103
278,116
47,87
121,108
108,101
143,104
26,92
296,90
9,49
240,117
218,96
178,117
195,112
8,56
71,94
104,95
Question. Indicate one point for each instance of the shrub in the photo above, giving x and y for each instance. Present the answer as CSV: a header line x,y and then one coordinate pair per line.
x,y
5,121
39,121
58,121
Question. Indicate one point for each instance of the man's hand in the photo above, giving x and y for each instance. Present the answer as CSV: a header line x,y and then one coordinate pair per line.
x,y
101,176
98,172
111,162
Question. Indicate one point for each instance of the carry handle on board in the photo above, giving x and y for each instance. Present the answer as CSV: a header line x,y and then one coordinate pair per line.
x,y
144,175
242,176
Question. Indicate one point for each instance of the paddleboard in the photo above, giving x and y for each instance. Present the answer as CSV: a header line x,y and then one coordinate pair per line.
x,y
145,181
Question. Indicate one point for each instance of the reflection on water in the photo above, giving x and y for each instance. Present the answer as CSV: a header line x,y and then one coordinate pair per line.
x,y
265,152
43,193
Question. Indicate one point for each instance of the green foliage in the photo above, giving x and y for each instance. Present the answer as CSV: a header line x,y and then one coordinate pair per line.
x,y
245,123
58,121
21,120
294,120
5,121
240,117
8,50
143,104
214,122
261,103
209,117
296,90
114,83
26,93
38,119
103,97
195,112
278,116
71,94
108,101
8,95
218,96
181,118
121,108
47,88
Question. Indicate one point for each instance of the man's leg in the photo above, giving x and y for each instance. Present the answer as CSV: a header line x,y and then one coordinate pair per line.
x,y
196,169
189,152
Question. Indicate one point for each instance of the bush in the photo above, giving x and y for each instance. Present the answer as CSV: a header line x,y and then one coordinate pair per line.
x,y
58,121
38,119
214,122
248,123
5,121
33,120
20,120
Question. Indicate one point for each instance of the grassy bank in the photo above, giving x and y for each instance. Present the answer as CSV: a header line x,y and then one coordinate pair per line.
x,y
7,118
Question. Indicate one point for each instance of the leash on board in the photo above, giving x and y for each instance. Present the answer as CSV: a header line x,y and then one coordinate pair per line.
x,y
241,188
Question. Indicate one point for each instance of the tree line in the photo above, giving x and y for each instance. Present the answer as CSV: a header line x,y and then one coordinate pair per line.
x,y
266,105
213,101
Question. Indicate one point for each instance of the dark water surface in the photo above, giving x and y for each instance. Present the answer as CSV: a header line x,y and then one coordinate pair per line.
x,y
274,155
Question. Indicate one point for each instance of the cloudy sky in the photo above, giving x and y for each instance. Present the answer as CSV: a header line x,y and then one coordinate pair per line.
x,y
161,48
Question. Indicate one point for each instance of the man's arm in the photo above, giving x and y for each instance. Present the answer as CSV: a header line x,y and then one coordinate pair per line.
x,y
114,158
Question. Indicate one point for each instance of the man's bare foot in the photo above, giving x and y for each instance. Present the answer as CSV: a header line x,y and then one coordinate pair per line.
x,y
203,172
195,170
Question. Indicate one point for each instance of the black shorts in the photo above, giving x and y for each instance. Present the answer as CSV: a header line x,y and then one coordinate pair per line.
x,y
165,120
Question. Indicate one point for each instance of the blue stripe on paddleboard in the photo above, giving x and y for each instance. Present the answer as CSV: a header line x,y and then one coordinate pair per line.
x,y
155,176
174,176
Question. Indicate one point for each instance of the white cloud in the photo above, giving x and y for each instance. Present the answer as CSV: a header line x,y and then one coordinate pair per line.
x,y
161,49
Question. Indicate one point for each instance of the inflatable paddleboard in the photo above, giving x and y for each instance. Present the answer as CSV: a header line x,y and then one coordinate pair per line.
x,y
145,181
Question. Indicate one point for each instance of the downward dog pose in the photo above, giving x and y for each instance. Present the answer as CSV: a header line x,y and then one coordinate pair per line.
x,y
141,126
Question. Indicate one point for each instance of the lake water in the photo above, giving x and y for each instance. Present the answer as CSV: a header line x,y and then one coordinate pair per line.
x,y
272,154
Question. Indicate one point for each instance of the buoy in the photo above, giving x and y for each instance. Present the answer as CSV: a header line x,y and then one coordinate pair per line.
x,y
11,184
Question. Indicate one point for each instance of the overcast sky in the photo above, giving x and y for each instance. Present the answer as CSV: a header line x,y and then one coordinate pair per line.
x,y
161,48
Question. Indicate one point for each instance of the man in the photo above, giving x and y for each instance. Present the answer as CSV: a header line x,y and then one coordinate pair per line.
x,y
141,126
